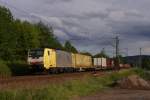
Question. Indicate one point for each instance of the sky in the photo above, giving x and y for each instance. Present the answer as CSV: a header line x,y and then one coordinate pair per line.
x,y
91,25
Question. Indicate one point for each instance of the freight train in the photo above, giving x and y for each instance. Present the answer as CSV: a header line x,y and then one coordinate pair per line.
x,y
56,61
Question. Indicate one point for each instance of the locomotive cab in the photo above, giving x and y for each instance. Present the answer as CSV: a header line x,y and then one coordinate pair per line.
x,y
35,58
41,58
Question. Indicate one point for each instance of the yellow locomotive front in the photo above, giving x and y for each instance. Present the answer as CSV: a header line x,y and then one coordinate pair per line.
x,y
42,58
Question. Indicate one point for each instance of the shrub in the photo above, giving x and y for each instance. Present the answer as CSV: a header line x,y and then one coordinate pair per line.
x,y
143,73
19,68
4,69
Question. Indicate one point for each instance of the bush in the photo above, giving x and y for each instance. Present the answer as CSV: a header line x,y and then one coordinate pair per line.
x,y
4,69
143,73
19,68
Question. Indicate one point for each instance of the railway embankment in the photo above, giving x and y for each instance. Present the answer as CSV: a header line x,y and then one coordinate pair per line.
x,y
68,89
133,87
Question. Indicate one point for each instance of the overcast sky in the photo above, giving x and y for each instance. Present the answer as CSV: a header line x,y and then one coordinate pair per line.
x,y
91,24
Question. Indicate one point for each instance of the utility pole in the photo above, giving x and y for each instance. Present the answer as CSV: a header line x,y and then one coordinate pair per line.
x,y
117,52
140,57
127,54
103,51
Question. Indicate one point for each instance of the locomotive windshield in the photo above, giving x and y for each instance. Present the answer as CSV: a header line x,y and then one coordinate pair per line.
x,y
36,53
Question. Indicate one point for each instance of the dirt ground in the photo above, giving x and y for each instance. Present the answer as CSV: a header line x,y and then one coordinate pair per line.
x,y
36,81
119,94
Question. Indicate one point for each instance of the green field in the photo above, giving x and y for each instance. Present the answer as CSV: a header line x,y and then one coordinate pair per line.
x,y
69,89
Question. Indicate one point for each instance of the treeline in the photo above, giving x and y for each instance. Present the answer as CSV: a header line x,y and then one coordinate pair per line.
x,y
16,37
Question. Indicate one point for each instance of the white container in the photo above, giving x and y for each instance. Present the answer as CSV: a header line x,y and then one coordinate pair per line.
x,y
100,62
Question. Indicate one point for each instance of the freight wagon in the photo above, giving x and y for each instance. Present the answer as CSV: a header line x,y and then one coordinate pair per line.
x,y
110,63
103,63
100,63
124,66
58,61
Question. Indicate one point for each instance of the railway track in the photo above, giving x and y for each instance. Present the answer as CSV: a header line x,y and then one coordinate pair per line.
x,y
34,81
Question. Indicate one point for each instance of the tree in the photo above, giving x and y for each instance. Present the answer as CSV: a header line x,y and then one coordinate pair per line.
x,y
26,38
121,60
69,47
47,38
16,36
6,34
102,54
146,63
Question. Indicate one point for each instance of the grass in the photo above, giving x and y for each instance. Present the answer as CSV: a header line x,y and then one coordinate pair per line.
x,y
70,89
143,73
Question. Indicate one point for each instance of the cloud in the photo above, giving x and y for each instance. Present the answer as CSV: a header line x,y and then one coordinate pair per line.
x,y
91,24
61,35
56,1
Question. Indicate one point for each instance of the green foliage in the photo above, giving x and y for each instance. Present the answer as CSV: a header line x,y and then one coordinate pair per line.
x,y
46,37
121,60
16,37
5,31
143,73
69,47
19,67
5,14
68,90
4,69
13,68
146,63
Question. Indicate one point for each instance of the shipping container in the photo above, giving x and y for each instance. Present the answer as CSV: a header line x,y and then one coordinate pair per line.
x,y
121,65
81,61
73,60
100,62
127,66
63,59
